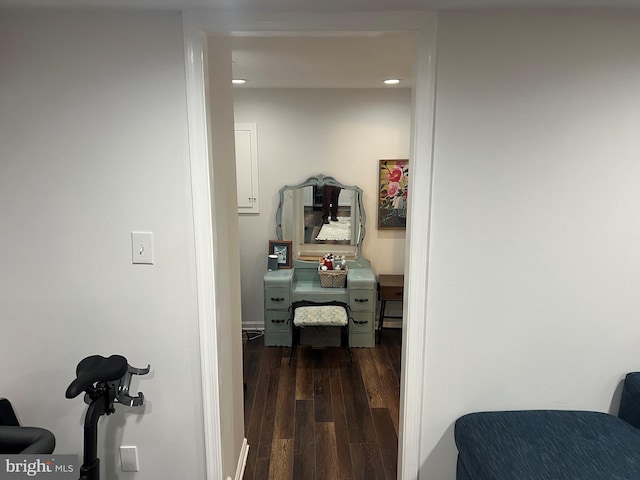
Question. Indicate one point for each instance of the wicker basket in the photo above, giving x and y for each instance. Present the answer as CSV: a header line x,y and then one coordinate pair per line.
x,y
333,278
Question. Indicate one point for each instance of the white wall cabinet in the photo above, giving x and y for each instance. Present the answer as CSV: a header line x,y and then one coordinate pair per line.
x,y
247,167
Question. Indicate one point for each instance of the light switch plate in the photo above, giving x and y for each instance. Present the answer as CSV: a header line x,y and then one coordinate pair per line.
x,y
142,247
129,459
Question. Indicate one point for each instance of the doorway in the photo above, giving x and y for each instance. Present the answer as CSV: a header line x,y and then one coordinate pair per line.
x,y
320,107
416,259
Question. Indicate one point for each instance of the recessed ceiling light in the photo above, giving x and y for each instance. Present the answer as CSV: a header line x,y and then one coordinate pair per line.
x,y
391,81
238,81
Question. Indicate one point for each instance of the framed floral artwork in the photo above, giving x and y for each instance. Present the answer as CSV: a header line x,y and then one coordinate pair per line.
x,y
393,184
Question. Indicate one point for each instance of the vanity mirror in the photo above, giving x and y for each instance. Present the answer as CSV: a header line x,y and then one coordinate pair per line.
x,y
305,217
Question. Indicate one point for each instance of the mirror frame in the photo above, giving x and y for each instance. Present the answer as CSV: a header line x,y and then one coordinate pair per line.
x,y
306,251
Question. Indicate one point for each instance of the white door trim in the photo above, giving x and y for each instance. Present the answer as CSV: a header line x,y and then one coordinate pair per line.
x,y
197,116
196,25
414,334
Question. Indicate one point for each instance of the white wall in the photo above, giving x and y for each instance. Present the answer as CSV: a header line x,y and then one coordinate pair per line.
x,y
533,284
304,132
93,145
534,266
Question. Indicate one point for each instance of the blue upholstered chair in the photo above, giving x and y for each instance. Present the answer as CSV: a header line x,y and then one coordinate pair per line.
x,y
552,444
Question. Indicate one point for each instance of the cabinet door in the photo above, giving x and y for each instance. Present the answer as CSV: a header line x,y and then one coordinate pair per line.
x,y
247,168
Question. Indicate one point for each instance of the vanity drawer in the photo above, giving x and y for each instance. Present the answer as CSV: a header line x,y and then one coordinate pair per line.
x,y
321,295
277,298
361,340
361,300
277,339
362,322
277,321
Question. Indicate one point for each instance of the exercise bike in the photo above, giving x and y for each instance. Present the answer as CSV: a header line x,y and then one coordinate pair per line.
x,y
105,381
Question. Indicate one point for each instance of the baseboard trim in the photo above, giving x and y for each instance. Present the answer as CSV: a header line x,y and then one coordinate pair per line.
x,y
242,460
252,325
259,326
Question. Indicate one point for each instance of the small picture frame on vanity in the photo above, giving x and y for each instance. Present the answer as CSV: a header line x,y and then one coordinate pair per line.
x,y
281,248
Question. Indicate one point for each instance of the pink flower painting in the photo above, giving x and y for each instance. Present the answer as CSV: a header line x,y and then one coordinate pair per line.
x,y
393,188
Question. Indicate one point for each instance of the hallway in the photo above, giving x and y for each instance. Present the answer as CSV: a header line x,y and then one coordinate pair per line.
x,y
322,417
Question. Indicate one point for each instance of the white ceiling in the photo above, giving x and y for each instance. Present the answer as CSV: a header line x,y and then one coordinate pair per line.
x,y
320,62
327,6
324,62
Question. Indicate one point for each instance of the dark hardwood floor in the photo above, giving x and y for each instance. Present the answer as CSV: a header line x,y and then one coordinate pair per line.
x,y
322,417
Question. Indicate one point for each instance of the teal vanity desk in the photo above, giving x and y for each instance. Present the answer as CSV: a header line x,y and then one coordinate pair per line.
x,y
277,300
298,220
282,287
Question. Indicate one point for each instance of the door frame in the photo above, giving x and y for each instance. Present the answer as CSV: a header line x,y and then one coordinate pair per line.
x,y
196,26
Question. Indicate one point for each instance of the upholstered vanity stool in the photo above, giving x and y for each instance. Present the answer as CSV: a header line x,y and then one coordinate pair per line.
x,y
285,287
333,314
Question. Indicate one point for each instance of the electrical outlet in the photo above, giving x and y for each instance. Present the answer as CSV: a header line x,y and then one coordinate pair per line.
x,y
129,459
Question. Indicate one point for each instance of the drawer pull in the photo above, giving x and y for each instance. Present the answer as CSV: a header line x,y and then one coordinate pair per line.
x,y
277,299
278,321
361,300
360,322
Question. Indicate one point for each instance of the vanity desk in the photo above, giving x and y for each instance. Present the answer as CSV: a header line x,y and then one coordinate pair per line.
x,y
302,282
295,221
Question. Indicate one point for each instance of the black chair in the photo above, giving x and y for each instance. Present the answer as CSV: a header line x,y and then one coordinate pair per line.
x,y
15,438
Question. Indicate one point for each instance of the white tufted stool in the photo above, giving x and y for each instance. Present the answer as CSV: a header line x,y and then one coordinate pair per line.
x,y
320,314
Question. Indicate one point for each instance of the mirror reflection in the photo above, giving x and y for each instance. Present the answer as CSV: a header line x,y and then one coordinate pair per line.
x,y
320,215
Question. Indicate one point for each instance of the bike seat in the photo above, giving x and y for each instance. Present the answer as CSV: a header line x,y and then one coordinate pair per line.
x,y
96,368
